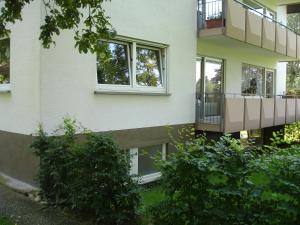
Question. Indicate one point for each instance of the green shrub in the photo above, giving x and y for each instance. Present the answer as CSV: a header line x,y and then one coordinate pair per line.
x,y
87,173
224,183
274,188
290,134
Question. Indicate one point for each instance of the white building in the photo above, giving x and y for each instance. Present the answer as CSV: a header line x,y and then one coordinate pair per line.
x,y
135,103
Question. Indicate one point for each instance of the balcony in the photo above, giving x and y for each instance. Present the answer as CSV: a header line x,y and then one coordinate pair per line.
x,y
229,113
231,22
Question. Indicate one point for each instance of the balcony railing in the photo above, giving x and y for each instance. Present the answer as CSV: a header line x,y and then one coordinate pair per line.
x,y
228,113
244,23
211,14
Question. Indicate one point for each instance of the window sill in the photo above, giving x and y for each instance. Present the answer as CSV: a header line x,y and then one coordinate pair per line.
x,y
149,178
5,88
133,92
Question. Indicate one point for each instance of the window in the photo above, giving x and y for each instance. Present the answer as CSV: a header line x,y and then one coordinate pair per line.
x,y
131,66
148,67
269,83
113,64
209,86
257,81
4,61
252,80
259,9
143,161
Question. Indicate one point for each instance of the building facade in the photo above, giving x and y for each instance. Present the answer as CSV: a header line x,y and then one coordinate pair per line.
x,y
217,65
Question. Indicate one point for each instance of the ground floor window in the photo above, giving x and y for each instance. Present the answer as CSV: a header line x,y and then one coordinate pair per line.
x,y
257,81
143,161
132,65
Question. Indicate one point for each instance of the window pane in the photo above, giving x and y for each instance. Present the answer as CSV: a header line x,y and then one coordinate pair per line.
x,y
113,64
198,77
213,72
148,68
252,80
146,161
269,83
4,61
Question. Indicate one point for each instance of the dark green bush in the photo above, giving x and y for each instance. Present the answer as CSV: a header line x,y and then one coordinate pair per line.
x,y
224,183
87,173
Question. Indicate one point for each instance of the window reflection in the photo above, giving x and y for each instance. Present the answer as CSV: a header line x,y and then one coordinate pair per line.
x,y
113,64
146,160
259,9
213,75
148,67
269,83
252,80
5,61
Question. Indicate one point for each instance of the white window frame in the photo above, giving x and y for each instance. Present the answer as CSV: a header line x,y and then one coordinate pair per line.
x,y
134,169
6,87
132,53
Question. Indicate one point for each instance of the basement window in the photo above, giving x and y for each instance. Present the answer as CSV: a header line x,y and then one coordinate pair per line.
x,y
143,162
4,63
131,66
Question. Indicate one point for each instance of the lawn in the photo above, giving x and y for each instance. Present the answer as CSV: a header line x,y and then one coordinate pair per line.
x,y
150,196
5,221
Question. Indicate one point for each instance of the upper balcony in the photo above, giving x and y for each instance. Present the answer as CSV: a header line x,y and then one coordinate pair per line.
x,y
232,22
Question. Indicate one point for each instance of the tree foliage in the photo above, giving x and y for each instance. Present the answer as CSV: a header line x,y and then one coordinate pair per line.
x,y
293,68
86,17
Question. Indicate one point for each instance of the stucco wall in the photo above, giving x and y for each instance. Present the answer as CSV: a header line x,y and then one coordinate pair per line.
x,y
68,79
19,110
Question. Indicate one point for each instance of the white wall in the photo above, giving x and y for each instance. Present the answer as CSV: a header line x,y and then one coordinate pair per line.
x,y
19,110
68,79
281,78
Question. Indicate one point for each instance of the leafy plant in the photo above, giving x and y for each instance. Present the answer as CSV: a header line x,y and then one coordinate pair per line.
x,y
225,183
87,173
287,136
217,16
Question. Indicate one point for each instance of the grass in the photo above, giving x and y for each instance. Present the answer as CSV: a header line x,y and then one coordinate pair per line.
x,y
5,221
150,196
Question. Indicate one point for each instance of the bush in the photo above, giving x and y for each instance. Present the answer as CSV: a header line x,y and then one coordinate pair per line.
x,y
224,183
274,188
87,173
289,135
